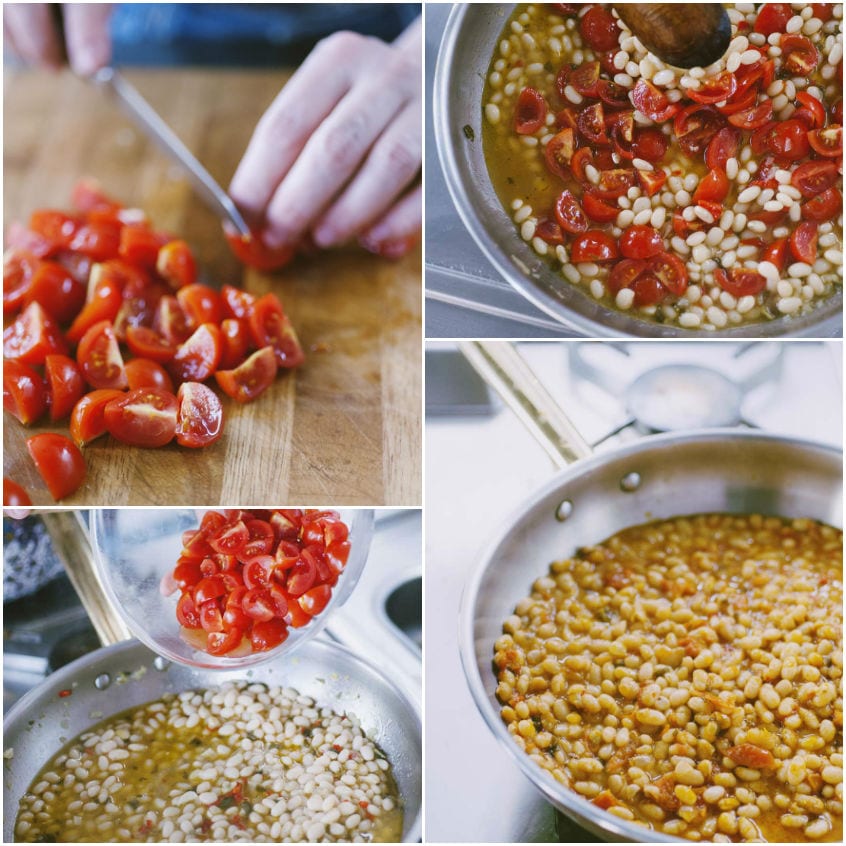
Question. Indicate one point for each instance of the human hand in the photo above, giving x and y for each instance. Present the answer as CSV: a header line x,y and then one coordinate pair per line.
x,y
338,153
33,34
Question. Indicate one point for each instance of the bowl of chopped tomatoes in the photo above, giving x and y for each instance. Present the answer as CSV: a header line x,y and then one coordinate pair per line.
x,y
228,588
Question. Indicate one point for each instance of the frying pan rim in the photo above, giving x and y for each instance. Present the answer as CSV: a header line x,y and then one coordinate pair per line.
x,y
556,793
27,703
824,322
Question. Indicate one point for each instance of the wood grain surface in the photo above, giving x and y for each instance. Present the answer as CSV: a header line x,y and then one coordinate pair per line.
x,y
346,427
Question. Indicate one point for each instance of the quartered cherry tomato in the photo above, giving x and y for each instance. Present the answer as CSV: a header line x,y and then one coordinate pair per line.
x,y
144,418
14,496
24,394
100,359
270,326
594,245
65,384
530,114
58,461
199,417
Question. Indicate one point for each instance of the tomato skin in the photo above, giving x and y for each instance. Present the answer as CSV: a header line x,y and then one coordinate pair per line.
x,y
722,147
824,206
145,373
200,303
65,385
614,183
99,241
753,117
258,604
670,271
773,17
24,395
549,231
147,343
651,181
650,144
199,416
803,242
584,79
569,214
58,461
100,359
799,56
197,358
268,634
530,112
209,588
223,642
87,418
591,123
695,126
594,245
139,244
145,417
32,336
624,273
714,186
252,251
559,152
315,600
211,617
641,242
175,264
270,327
14,496
235,340
714,89
19,266
236,303
56,291
652,102
599,29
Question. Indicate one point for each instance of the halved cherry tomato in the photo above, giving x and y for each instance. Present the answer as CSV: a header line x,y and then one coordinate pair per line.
x,y
754,117
235,342
599,28
211,616
58,461
530,112
591,123
236,303
252,251
143,418
612,94
740,282
256,574
315,600
651,181
624,273
594,245
828,141
598,210
776,253
268,634
251,378
641,242
32,336
812,178
197,358
723,146
714,88
302,576
714,186
650,144
209,588
812,108
223,642
670,271
199,417
614,183
648,290
773,17
584,79
549,231
65,384
569,214
56,290
99,357
798,55
824,206
270,326
99,241
24,395
175,264
200,303
19,267
139,244
695,126
652,102
789,139
803,242
258,604
87,418
559,152
104,304
14,496
55,226
187,612
147,343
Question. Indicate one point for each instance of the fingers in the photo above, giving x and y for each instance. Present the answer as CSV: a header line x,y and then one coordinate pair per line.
x,y
87,36
282,133
390,167
396,233
331,156
33,36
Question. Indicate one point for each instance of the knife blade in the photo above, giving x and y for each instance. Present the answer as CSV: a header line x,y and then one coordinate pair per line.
x,y
148,121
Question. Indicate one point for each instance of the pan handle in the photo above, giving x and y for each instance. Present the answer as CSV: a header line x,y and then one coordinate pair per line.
x,y
507,372
73,546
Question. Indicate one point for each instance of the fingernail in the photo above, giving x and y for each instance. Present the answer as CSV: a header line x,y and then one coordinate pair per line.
x,y
276,240
325,236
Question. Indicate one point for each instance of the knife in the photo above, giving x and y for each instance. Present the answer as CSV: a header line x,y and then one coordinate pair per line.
x,y
149,122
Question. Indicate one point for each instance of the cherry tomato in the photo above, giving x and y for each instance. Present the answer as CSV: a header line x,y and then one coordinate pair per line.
x,y
268,634
87,421
170,321
211,616
591,123
648,290
223,642
175,264
569,214
99,241
598,210
714,88
828,141
65,385
549,231
58,461
99,357
199,418
651,181
789,140
236,303
56,291
14,496
187,572
695,126
584,79
530,113
822,11
713,187
824,206
103,305
776,253
24,395
640,242
32,336
302,576
209,588
235,342
567,9
670,271
144,418
723,146
252,251
652,102
270,327
315,600
256,574
187,612
614,183
773,17
146,373
812,108
88,196
812,178
139,244
19,267
754,117
798,55
200,303
258,604
56,227
803,242
197,358
612,94
650,144
599,29
559,152
740,282
594,245
147,343
581,159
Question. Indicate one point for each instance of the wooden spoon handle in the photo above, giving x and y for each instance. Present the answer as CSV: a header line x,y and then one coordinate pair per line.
x,y
685,35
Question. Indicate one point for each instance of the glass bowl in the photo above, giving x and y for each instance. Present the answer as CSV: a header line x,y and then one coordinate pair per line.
x,y
133,550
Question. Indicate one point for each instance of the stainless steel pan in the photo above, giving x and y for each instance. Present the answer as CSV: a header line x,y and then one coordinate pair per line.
x,y
470,38
739,471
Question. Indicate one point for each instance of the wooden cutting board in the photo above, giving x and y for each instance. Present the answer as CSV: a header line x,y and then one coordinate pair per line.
x,y
346,427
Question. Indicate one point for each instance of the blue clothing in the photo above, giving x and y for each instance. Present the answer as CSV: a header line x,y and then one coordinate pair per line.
x,y
243,34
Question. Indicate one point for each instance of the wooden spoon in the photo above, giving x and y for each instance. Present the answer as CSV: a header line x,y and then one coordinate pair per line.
x,y
684,35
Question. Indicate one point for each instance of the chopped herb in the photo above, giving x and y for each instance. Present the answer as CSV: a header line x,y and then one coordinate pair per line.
x,y
469,134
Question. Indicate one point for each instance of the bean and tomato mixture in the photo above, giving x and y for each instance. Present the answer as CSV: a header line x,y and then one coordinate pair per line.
x,y
245,577
687,675
706,198
239,763
108,330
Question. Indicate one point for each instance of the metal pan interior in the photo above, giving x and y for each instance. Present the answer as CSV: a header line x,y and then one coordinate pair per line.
x,y
43,721
660,476
470,39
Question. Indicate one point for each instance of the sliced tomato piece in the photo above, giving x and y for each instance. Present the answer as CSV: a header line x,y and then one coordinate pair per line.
x,y
798,55
803,242
236,341
235,302
142,418
591,123
224,642
740,282
56,227
56,290
139,244
530,112
812,178
549,231
197,358
146,373
569,214
268,634
670,271
211,616
651,181
87,418
99,357
19,266
315,600
58,461
827,142
559,152
103,305
597,209
812,108
24,395
14,496
789,139
695,126
581,159
187,613
32,336
270,327
258,604
640,242
147,343
754,117
624,273
714,88
776,253
251,378
88,196
648,290
615,183
652,102
252,251
594,245
229,538
175,264
714,186
723,146
199,418
65,385
773,17
739,103
99,241
649,144
612,94
302,576
824,206
599,28
200,303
